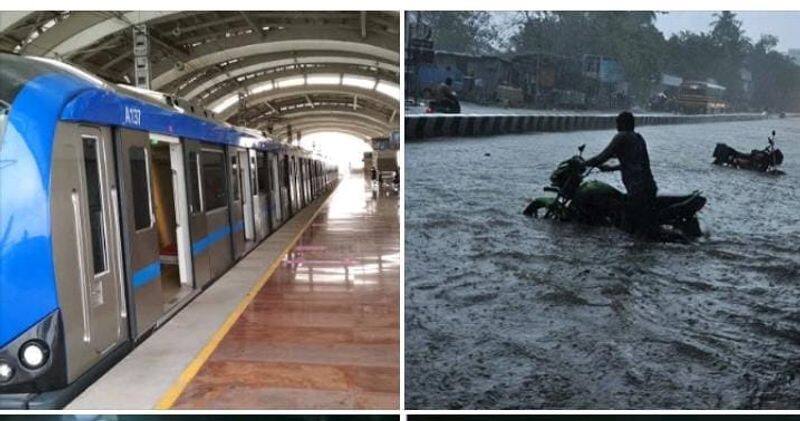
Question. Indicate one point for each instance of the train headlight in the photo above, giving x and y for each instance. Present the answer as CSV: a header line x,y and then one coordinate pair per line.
x,y
33,354
6,372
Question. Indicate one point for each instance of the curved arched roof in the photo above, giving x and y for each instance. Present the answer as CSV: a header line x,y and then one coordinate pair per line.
x,y
214,57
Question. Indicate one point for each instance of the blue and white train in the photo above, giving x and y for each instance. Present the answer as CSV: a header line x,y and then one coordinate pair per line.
x,y
117,207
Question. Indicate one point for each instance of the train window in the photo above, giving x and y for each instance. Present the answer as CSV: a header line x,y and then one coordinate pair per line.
x,y
140,180
273,164
213,164
195,201
253,180
236,174
262,173
91,163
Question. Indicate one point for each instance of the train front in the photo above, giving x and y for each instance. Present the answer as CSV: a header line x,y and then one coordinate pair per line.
x,y
32,356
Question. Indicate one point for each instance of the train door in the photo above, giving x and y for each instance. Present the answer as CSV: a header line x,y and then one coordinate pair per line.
x,y
287,187
214,187
312,166
298,198
135,162
237,206
275,189
86,252
310,172
172,219
293,185
301,181
263,191
247,197
282,187
252,156
316,179
258,214
307,180
198,228
298,170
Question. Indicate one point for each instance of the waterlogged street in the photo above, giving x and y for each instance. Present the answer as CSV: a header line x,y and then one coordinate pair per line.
x,y
503,311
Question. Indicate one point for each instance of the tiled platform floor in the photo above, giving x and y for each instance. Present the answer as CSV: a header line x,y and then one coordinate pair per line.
x,y
323,333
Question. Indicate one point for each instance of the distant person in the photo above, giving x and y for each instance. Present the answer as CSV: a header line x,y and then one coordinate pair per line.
x,y
630,149
445,94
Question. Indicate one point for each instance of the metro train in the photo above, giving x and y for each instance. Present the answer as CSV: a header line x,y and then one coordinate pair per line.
x,y
117,207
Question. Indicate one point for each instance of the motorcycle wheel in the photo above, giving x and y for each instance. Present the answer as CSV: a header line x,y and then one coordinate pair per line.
x,y
690,227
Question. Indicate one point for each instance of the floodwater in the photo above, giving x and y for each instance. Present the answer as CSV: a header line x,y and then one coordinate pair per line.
x,y
503,311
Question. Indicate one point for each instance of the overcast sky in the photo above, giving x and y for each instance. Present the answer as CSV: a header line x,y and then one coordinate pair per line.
x,y
784,25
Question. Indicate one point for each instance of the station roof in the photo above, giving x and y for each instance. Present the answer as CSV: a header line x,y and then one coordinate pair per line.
x,y
313,71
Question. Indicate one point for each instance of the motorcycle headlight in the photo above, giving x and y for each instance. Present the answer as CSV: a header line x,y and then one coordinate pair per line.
x,y
34,354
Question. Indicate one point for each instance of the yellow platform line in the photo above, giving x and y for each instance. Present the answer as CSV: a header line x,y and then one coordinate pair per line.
x,y
171,396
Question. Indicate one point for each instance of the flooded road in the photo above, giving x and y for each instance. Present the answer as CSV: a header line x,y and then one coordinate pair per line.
x,y
503,311
472,108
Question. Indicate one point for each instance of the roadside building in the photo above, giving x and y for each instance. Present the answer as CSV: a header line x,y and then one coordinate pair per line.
x,y
608,87
550,80
476,78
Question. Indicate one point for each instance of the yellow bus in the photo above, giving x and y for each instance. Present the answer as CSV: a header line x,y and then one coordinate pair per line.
x,y
701,98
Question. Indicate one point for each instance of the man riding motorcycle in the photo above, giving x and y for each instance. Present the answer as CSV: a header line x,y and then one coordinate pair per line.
x,y
630,149
444,98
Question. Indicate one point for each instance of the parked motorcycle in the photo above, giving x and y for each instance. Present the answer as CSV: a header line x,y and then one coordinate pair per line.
x,y
594,202
765,160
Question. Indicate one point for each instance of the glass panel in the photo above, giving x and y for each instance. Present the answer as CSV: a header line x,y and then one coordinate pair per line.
x,y
236,176
274,165
141,188
253,180
242,174
92,166
195,202
263,179
213,173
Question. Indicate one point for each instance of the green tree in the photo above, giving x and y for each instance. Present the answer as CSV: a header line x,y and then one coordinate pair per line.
x,y
733,46
628,37
776,77
463,31
692,56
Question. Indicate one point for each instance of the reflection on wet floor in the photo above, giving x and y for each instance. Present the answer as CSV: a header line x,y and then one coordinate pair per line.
x,y
324,330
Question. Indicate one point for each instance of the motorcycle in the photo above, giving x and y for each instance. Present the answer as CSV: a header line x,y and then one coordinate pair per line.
x,y
765,160
596,203
444,107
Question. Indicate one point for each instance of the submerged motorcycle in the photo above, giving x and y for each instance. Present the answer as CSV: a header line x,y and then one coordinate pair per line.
x,y
765,160
596,203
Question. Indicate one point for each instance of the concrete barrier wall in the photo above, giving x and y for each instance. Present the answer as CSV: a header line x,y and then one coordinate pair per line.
x,y
463,125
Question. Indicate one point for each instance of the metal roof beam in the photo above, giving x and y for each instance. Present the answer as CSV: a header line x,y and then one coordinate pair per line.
x,y
388,102
11,18
202,84
283,41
